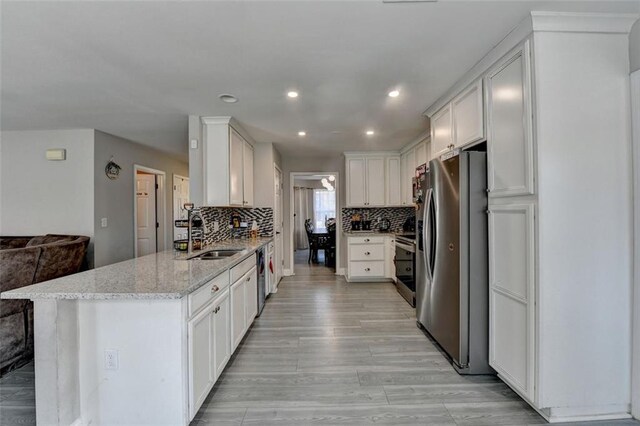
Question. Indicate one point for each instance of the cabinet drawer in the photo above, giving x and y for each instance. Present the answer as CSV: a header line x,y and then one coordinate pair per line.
x,y
242,268
366,240
367,269
208,292
366,252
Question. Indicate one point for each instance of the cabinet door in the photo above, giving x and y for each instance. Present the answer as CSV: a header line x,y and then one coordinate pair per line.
x,y
238,315
468,116
509,136
406,180
221,334
247,176
441,131
236,147
251,296
512,293
420,154
356,169
201,372
393,182
375,182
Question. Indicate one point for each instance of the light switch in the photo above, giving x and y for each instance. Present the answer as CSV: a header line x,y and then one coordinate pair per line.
x,y
103,222
194,143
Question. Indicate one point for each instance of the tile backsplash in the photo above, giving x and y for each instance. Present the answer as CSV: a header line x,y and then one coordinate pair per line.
x,y
262,215
396,215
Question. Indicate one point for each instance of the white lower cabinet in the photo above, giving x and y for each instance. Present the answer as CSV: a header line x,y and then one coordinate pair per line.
x,y
217,325
368,258
201,359
238,317
209,349
251,296
511,303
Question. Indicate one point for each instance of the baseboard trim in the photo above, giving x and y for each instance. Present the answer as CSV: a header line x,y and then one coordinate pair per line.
x,y
287,272
585,414
77,422
341,271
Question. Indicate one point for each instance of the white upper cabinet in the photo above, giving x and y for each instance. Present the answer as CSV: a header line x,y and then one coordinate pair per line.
x,y
394,182
356,171
468,116
407,160
247,174
460,122
373,179
375,182
420,155
510,138
441,138
227,165
236,166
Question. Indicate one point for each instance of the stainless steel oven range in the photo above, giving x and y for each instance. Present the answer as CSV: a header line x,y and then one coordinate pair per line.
x,y
405,261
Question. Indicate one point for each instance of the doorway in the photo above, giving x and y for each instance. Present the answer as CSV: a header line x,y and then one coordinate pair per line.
x,y
315,222
148,210
278,225
180,197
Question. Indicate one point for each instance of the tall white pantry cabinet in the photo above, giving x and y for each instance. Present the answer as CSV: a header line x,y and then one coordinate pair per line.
x,y
556,114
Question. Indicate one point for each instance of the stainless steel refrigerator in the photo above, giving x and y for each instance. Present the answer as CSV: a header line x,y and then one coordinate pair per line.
x,y
452,295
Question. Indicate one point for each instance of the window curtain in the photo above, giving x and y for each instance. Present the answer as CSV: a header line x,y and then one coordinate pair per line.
x,y
324,207
303,210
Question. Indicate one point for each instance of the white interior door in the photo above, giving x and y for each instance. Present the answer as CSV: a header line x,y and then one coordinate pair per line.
x,y
277,218
146,223
180,197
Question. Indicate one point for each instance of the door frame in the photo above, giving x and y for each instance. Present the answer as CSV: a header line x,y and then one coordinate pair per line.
x,y
173,195
635,124
278,277
292,178
161,208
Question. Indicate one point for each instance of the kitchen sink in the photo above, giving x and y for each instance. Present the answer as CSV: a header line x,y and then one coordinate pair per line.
x,y
216,254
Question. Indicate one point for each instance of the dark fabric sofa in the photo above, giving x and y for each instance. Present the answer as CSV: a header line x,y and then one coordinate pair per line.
x,y
25,261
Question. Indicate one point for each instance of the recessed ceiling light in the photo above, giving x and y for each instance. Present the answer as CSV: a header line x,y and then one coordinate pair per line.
x,y
302,133
394,93
230,99
292,94
370,132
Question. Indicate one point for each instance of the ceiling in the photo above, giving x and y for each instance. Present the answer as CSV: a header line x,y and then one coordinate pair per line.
x,y
138,69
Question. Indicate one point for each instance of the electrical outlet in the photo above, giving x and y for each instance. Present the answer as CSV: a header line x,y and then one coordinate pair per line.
x,y
103,222
216,226
111,361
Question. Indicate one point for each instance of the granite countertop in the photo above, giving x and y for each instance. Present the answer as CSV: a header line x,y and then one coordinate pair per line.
x,y
164,275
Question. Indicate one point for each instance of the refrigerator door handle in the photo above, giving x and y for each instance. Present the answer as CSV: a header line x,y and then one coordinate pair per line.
x,y
426,232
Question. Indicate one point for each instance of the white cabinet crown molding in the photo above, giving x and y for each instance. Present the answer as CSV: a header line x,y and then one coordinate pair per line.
x,y
610,23
538,21
231,122
424,137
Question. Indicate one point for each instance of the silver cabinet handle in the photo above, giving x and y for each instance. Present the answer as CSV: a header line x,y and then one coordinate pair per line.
x,y
367,269
408,269
248,278
367,253
366,240
214,289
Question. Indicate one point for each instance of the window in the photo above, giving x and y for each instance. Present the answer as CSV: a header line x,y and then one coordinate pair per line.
x,y
324,207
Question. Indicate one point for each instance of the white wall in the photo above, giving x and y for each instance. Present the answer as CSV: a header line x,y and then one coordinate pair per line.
x,y
634,47
585,218
114,198
40,196
310,164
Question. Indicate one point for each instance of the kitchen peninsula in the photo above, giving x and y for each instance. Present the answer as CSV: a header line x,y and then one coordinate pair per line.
x,y
140,341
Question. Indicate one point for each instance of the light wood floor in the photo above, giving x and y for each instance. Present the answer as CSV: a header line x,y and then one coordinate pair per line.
x,y
328,352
